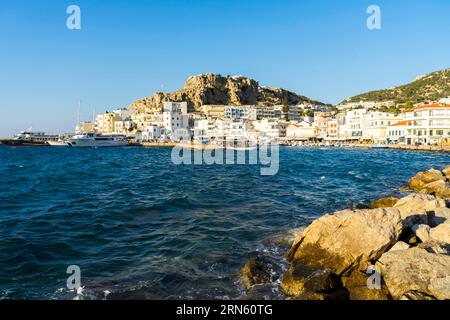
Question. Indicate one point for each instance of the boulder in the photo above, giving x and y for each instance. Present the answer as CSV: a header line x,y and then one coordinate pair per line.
x,y
300,280
358,288
421,179
435,247
414,208
254,272
415,270
384,203
400,246
438,216
415,295
441,233
422,231
439,189
446,172
440,288
344,240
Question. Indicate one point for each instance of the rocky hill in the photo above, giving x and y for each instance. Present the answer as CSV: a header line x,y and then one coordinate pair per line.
x,y
433,86
214,89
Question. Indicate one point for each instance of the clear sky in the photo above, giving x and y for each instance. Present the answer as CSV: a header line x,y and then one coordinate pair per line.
x,y
129,49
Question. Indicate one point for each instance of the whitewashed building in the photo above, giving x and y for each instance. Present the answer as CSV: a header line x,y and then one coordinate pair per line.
x,y
429,124
377,125
396,133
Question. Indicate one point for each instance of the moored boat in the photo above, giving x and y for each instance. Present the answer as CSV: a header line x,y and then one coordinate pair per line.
x,y
30,139
94,140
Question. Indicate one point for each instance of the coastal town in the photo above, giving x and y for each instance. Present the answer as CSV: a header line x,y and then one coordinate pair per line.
x,y
427,123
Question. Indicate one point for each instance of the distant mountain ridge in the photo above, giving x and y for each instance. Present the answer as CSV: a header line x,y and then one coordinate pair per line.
x,y
215,89
433,86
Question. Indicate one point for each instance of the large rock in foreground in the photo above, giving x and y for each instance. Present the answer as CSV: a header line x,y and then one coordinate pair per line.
x,y
416,272
347,239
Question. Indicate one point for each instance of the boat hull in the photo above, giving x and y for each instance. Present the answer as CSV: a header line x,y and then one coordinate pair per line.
x,y
24,143
57,143
91,143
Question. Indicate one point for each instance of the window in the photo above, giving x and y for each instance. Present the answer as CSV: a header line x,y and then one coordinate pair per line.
x,y
439,132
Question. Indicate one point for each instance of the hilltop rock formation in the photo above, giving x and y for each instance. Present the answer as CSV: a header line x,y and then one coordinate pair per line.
x,y
214,89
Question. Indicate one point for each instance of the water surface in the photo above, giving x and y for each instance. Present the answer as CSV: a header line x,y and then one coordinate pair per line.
x,y
142,228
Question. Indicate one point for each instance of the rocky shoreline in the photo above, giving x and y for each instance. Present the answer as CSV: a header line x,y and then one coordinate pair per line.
x,y
395,249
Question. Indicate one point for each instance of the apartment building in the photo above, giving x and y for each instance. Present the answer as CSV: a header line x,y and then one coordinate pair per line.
x,y
396,132
428,124
377,126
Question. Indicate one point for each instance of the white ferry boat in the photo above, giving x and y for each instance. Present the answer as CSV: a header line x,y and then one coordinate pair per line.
x,y
94,140
29,138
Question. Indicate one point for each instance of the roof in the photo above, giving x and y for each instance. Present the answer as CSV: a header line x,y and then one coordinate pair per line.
x,y
401,123
431,106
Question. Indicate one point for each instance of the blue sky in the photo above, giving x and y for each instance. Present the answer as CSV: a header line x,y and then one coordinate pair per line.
x,y
130,49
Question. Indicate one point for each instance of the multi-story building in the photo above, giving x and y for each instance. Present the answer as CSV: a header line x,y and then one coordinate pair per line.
x,y
396,132
377,125
175,119
213,112
288,113
428,124
333,129
124,127
152,133
267,128
354,124
321,123
105,122
150,117
301,131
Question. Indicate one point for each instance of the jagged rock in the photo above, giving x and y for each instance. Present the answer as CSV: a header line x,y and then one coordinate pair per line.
x,y
439,189
400,246
339,294
254,272
344,240
441,233
446,172
440,288
435,247
421,179
413,208
357,286
214,89
415,270
422,232
300,280
438,216
384,203
409,237
414,295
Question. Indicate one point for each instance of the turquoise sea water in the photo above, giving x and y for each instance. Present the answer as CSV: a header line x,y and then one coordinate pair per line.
x,y
142,228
